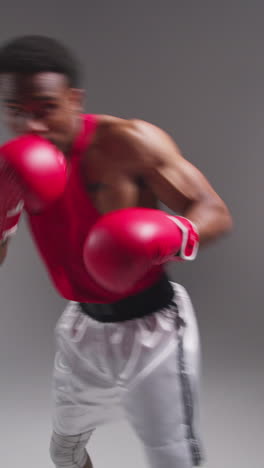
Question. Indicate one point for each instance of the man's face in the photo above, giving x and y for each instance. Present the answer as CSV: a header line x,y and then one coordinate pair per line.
x,y
41,103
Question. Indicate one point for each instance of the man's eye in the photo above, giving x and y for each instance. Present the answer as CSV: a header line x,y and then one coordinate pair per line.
x,y
14,110
49,106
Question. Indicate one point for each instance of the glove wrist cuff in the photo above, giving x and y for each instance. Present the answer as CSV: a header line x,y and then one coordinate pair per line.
x,y
190,237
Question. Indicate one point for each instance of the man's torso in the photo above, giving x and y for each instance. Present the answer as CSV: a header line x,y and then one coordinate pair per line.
x,y
99,180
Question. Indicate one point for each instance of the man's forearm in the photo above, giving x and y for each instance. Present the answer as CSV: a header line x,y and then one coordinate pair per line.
x,y
212,220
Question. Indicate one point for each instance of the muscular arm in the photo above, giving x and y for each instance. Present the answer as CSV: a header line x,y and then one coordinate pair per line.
x,y
173,180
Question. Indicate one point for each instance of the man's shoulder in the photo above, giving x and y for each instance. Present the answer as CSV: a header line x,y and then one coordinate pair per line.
x,y
111,126
128,132
137,141
113,133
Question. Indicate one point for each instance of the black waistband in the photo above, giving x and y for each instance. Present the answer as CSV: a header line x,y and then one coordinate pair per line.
x,y
152,299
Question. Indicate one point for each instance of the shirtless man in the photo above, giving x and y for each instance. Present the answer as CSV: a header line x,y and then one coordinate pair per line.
x,y
128,338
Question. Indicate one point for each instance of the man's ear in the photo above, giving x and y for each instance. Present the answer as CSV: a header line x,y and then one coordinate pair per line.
x,y
77,97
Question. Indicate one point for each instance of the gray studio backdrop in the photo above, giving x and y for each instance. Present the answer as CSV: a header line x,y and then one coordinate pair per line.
x,y
195,68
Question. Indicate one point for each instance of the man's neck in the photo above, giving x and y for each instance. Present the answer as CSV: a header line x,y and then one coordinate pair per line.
x,y
75,131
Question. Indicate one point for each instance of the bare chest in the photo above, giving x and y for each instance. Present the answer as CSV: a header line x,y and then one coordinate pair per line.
x,y
113,185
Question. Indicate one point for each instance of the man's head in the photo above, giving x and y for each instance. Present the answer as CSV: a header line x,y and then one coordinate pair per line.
x,y
39,89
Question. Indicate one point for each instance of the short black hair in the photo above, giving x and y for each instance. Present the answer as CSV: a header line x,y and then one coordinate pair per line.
x,y
34,54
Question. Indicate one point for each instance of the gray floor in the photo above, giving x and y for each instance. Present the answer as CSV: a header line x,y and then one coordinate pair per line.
x,y
25,427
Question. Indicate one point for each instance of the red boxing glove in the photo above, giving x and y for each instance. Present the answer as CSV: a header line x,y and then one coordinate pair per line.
x,y
39,169
11,202
125,244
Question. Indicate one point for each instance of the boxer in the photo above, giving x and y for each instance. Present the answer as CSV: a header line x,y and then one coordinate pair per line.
x,y
90,185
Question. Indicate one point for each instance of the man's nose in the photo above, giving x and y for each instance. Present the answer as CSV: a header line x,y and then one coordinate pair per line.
x,y
34,125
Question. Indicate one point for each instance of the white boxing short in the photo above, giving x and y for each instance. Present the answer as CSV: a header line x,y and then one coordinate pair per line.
x,y
145,369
